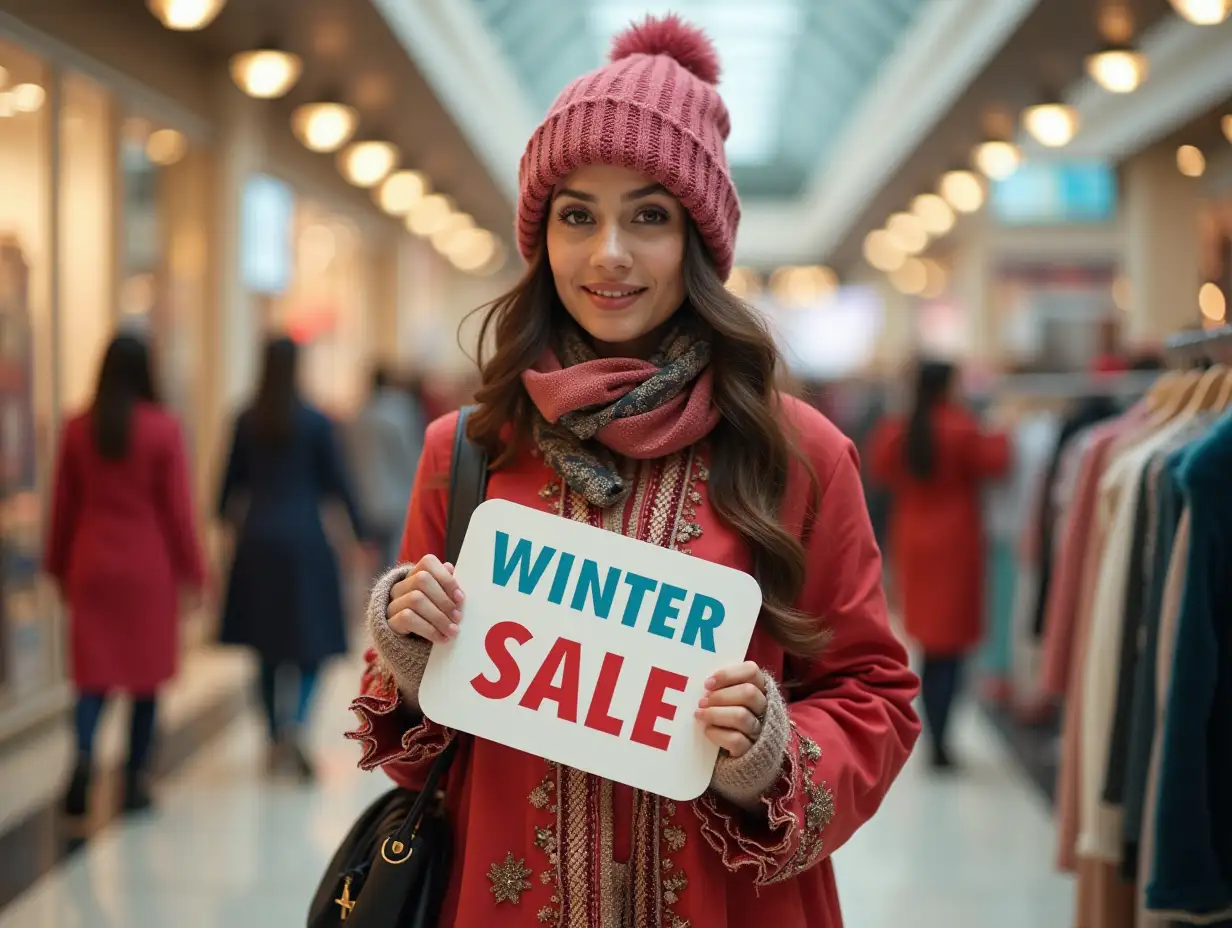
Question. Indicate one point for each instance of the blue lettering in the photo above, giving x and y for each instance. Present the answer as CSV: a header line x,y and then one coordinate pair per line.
x,y
639,586
665,609
705,615
601,596
504,565
564,567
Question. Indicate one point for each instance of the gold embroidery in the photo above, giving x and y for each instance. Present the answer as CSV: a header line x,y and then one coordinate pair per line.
x,y
541,795
674,881
818,813
509,879
674,836
546,915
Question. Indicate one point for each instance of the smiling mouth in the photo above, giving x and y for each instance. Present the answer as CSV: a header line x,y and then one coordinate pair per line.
x,y
615,293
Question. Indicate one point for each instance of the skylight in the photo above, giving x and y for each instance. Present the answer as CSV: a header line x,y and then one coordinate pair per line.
x,y
754,39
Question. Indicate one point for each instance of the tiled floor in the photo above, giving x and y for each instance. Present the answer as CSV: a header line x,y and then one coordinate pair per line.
x,y
231,849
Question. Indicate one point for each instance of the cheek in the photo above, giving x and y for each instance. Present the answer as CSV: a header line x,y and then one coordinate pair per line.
x,y
666,263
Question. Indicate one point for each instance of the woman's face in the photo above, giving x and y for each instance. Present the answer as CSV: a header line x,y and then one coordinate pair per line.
x,y
616,243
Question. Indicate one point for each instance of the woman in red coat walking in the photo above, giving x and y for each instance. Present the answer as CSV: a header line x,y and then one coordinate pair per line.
x,y
122,547
934,464
630,390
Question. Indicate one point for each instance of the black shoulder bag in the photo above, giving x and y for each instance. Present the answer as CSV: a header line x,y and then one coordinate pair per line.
x,y
392,869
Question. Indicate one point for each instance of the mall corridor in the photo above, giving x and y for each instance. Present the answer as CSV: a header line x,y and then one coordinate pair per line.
x,y
234,849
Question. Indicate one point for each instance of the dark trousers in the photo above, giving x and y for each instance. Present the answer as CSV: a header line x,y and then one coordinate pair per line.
x,y
275,715
140,734
939,682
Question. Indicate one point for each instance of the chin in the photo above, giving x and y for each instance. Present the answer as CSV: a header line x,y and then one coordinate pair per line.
x,y
612,329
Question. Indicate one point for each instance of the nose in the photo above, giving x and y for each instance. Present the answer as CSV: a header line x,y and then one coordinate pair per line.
x,y
611,251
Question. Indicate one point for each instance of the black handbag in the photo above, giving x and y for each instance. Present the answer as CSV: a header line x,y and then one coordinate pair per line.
x,y
392,869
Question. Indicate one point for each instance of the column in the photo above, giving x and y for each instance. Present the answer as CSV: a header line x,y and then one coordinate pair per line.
x,y
1161,257
972,290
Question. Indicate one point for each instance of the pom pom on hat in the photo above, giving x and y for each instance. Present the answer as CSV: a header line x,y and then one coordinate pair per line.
x,y
673,37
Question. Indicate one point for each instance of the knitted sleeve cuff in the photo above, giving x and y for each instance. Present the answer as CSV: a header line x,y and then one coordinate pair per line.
x,y
745,779
405,656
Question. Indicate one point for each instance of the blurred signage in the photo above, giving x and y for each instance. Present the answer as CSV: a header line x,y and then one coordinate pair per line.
x,y
266,255
1056,193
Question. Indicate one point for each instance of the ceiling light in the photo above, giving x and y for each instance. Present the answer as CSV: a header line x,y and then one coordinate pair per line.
x,y
1115,22
452,235
267,72
1053,125
7,108
911,278
1118,70
1212,302
1226,125
402,190
429,215
996,159
324,126
366,164
165,147
185,15
802,286
907,232
1190,161
477,248
881,251
28,98
934,213
962,190
1203,12
744,282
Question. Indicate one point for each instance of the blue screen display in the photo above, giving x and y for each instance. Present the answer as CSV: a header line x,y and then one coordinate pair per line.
x,y
1056,193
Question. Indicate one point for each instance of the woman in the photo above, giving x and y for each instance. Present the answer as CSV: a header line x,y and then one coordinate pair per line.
x,y
631,390
284,596
934,465
122,548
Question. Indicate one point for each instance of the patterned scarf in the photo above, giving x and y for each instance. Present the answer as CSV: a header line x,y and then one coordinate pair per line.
x,y
592,409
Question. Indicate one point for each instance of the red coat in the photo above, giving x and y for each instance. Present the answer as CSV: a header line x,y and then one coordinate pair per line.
x,y
936,529
536,842
122,543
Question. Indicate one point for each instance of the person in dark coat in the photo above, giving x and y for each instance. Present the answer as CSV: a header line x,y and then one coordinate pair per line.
x,y
122,549
934,463
284,594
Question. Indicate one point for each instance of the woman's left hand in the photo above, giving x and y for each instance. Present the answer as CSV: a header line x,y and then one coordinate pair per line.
x,y
733,707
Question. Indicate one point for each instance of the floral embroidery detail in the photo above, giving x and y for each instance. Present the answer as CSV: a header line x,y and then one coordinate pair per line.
x,y
687,527
541,795
818,813
674,836
545,840
509,879
674,881
547,915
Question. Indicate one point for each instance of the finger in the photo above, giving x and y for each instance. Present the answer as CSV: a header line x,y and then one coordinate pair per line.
x,y
743,694
402,587
423,608
747,672
431,587
426,630
443,576
733,718
730,741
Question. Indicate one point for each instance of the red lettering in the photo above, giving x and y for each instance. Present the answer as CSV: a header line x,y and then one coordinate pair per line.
x,y
497,645
564,653
654,708
596,716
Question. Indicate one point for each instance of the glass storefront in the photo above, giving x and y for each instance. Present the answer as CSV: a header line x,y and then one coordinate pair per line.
x,y
129,248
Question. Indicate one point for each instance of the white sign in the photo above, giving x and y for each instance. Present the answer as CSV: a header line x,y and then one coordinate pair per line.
x,y
589,648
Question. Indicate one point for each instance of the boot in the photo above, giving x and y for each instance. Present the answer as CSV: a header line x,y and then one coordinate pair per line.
x,y
136,792
77,798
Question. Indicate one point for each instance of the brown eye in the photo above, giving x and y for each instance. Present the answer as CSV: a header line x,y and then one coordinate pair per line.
x,y
574,216
653,215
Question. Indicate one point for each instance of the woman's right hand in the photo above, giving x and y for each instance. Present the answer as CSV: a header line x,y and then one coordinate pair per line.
x,y
426,602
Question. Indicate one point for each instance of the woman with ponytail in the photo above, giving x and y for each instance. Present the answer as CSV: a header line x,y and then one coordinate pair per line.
x,y
934,464
629,389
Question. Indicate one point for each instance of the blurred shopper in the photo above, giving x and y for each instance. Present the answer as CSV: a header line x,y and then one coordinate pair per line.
x,y
601,402
284,595
934,464
123,548
386,441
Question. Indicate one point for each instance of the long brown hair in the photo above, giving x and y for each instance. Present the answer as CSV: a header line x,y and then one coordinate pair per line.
x,y
750,451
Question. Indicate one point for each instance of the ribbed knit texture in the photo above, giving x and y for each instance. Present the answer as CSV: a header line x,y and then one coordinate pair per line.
x,y
648,113
406,656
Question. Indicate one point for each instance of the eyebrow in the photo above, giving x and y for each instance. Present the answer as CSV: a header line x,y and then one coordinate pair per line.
x,y
637,194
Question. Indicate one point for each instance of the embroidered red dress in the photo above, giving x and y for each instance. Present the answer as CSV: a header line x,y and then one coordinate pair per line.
x,y
542,844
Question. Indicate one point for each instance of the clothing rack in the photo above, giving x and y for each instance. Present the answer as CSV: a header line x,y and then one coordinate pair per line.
x,y
1069,385
1187,348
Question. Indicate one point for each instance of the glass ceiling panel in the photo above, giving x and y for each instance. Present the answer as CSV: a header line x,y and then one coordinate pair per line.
x,y
754,41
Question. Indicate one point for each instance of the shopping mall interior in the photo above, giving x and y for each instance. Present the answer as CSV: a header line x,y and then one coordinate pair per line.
x,y
1037,191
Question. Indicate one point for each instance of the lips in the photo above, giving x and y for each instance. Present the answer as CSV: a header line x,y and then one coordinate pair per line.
x,y
612,297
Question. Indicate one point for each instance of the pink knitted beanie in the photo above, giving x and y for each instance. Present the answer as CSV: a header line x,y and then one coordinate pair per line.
x,y
653,109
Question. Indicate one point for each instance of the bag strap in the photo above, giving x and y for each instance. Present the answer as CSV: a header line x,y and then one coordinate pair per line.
x,y
468,484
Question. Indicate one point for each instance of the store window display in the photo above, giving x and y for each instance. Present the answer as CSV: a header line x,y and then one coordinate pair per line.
x,y
28,642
